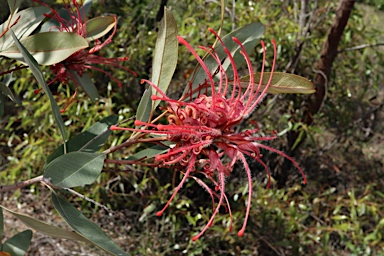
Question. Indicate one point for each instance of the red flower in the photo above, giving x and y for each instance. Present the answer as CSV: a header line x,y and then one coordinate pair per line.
x,y
83,59
203,133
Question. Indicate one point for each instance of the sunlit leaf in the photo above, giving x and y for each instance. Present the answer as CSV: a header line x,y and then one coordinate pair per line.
x,y
86,84
282,83
27,22
78,222
45,227
74,169
99,26
18,244
90,140
34,67
248,35
48,48
165,57
145,106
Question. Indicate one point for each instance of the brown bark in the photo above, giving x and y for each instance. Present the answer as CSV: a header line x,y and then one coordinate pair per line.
x,y
328,55
323,71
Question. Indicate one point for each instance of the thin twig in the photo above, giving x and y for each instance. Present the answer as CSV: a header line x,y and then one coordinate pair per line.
x,y
359,47
90,200
21,184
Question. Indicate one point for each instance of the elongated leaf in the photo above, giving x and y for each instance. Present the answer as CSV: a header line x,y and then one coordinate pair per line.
x,y
2,105
4,89
40,79
148,153
14,5
99,26
27,22
48,48
86,84
165,58
83,226
45,227
145,106
248,35
18,244
282,83
89,141
74,169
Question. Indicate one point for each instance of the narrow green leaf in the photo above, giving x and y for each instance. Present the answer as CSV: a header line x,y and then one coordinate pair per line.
x,y
48,48
99,26
14,5
40,79
18,244
2,105
89,141
282,83
74,169
165,58
148,153
248,35
86,84
27,21
45,227
6,91
145,106
83,226
339,217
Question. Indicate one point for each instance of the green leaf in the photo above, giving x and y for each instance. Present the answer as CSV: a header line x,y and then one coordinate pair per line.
x,y
282,83
99,26
29,20
34,67
14,5
148,153
339,217
248,35
18,244
74,169
86,84
48,48
84,227
165,58
2,104
144,109
45,227
4,89
89,141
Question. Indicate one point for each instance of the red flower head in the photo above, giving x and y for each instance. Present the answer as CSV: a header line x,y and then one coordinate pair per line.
x,y
83,59
202,129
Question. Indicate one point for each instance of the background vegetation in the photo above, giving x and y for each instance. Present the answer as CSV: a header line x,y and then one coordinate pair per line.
x,y
339,212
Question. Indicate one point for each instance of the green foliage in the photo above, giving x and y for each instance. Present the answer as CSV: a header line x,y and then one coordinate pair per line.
x,y
165,56
16,245
84,227
338,212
